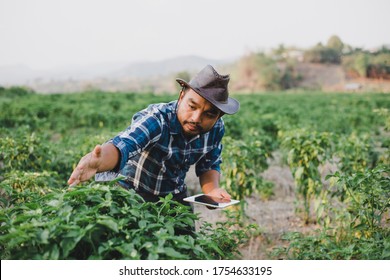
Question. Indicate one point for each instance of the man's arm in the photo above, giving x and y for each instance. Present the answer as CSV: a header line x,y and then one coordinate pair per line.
x,y
102,158
145,129
209,181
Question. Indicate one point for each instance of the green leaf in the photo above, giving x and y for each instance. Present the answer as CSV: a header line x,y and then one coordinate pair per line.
x,y
217,249
67,245
170,252
117,179
142,224
108,222
135,212
298,173
54,203
44,236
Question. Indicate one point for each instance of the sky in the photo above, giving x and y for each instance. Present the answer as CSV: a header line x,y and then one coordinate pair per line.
x,y
44,34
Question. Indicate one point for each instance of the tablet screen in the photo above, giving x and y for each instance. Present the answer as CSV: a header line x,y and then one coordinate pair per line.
x,y
211,199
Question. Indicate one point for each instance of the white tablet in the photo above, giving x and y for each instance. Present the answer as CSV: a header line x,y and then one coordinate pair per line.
x,y
211,201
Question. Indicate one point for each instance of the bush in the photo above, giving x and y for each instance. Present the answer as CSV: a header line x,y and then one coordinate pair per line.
x,y
355,227
258,72
108,222
23,186
24,151
307,150
242,170
320,54
15,91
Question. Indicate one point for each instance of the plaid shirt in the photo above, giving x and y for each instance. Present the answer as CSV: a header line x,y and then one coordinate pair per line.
x,y
155,156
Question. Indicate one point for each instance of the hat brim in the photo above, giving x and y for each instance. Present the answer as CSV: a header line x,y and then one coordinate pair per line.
x,y
230,107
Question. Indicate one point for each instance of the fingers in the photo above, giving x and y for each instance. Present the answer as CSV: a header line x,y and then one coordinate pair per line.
x,y
75,183
83,170
219,192
225,195
75,178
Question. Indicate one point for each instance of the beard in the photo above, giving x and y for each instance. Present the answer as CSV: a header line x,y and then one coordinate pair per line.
x,y
195,128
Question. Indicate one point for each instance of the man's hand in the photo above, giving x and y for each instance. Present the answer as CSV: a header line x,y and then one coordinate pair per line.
x,y
219,192
87,167
209,182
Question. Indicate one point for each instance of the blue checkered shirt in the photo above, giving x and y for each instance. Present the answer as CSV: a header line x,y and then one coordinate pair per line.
x,y
155,156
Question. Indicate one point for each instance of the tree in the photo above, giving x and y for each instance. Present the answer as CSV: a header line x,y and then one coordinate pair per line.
x,y
320,54
335,43
257,71
361,63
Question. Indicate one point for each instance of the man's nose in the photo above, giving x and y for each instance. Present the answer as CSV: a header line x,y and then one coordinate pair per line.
x,y
197,116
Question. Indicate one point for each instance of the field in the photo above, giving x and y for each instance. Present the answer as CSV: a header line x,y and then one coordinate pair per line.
x,y
311,169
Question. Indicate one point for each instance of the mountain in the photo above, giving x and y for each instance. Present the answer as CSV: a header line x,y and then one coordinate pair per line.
x,y
16,74
23,75
164,67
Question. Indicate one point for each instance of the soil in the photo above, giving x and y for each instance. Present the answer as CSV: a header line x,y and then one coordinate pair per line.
x,y
274,216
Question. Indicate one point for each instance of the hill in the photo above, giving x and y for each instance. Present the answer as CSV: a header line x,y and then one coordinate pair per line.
x,y
106,76
159,76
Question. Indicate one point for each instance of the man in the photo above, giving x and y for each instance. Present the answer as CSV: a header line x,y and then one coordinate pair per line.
x,y
155,152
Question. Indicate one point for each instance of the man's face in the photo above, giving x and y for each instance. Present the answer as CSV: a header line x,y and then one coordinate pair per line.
x,y
196,115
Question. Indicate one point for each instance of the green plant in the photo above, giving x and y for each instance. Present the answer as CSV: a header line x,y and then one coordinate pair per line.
x,y
27,152
42,136
106,222
227,236
22,186
357,226
15,91
257,72
321,54
323,245
355,153
306,151
367,194
384,113
242,169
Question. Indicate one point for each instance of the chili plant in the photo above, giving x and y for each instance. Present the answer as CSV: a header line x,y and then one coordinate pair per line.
x,y
355,153
243,164
106,222
360,228
367,195
306,151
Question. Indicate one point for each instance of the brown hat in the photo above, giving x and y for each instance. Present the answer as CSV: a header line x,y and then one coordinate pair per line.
x,y
214,88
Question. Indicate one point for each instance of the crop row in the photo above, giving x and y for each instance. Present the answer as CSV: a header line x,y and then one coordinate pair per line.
x,y
43,136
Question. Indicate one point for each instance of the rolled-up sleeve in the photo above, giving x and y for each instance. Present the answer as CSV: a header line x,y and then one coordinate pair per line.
x,y
211,161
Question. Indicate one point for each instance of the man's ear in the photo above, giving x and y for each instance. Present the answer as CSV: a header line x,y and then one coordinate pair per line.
x,y
181,94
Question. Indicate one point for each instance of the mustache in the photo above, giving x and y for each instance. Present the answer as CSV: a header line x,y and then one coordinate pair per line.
x,y
194,124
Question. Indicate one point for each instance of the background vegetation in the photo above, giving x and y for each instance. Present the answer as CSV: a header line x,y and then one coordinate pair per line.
x,y
42,137
279,69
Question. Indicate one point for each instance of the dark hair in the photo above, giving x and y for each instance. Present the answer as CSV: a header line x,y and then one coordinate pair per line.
x,y
185,89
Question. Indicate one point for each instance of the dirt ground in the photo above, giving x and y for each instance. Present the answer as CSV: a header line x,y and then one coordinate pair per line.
x,y
274,216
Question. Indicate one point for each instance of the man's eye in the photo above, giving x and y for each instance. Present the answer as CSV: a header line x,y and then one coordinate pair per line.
x,y
211,115
192,107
